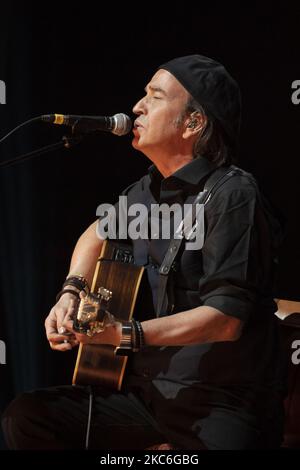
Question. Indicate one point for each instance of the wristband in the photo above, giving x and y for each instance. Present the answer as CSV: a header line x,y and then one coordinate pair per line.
x,y
125,348
65,291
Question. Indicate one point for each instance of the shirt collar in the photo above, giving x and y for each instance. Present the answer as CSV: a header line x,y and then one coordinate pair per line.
x,y
191,173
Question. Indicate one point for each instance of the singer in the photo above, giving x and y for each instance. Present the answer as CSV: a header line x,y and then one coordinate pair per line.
x,y
203,366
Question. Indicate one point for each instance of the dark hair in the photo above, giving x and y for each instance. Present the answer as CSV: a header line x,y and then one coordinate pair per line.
x,y
212,142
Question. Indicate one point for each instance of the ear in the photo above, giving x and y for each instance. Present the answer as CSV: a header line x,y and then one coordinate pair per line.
x,y
194,124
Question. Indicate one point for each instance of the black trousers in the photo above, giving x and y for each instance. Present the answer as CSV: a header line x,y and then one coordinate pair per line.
x,y
56,418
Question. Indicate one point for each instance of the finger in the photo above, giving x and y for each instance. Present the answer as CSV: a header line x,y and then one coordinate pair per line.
x,y
50,322
72,306
74,342
69,316
50,330
56,338
60,346
58,342
68,325
60,314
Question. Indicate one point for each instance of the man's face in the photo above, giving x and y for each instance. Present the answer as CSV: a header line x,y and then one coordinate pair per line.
x,y
158,127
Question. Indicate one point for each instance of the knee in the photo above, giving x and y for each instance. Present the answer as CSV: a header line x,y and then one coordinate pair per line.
x,y
16,417
20,406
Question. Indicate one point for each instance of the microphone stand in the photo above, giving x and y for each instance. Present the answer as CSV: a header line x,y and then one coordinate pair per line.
x,y
66,141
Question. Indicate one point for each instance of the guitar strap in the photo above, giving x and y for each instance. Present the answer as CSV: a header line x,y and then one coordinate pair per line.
x,y
215,180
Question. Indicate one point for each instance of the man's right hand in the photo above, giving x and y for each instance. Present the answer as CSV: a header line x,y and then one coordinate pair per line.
x,y
56,333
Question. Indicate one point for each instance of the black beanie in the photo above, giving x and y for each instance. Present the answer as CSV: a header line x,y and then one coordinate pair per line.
x,y
209,83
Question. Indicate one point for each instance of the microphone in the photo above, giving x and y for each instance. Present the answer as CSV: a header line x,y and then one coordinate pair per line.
x,y
119,124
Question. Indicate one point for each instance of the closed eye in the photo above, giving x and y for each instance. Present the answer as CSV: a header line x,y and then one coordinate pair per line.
x,y
153,90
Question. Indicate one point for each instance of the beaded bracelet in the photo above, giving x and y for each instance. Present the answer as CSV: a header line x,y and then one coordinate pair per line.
x,y
138,339
140,334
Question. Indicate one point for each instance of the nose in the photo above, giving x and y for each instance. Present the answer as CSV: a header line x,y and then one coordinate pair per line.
x,y
139,107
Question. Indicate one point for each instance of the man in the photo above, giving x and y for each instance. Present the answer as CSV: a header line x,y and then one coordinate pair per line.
x,y
208,374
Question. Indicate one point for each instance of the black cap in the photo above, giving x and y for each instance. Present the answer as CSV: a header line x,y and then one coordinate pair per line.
x,y
209,83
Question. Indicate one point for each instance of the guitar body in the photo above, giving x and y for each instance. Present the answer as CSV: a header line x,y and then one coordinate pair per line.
x,y
115,271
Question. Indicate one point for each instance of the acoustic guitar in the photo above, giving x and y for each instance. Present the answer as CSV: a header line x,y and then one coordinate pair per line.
x,y
115,288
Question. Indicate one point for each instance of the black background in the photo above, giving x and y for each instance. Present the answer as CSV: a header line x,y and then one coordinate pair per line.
x,y
91,60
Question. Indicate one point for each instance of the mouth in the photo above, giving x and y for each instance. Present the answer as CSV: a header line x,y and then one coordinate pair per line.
x,y
137,127
137,124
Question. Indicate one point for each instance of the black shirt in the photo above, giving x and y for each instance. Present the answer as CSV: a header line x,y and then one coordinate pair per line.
x,y
184,385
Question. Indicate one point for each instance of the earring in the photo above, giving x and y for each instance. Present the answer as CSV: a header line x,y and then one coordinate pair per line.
x,y
193,123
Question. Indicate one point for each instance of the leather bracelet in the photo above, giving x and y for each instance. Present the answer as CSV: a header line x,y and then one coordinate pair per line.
x,y
67,291
132,338
135,337
77,281
78,288
80,278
